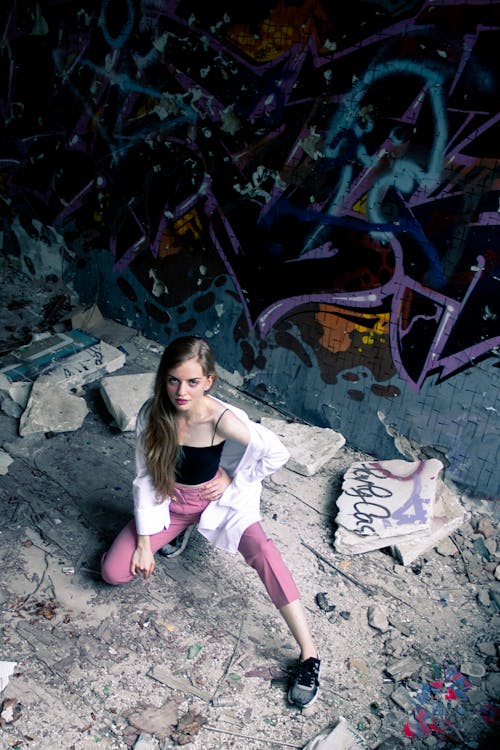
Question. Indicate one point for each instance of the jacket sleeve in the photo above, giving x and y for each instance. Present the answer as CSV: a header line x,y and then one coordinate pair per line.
x,y
150,516
270,453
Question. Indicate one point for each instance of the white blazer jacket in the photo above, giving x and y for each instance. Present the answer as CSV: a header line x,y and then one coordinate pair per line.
x,y
223,521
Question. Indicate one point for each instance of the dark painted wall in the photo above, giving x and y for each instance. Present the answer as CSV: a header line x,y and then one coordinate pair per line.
x,y
314,186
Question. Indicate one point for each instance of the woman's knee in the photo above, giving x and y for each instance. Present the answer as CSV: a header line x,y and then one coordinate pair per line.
x,y
110,574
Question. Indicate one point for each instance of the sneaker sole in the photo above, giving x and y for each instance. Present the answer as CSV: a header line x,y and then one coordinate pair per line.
x,y
182,546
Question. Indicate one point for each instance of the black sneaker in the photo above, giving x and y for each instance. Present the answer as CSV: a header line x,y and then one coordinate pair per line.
x,y
305,687
178,545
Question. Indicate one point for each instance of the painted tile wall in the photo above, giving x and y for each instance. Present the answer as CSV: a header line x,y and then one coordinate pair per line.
x,y
313,188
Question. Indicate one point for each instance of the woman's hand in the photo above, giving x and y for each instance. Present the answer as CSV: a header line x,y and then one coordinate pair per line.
x,y
142,560
215,488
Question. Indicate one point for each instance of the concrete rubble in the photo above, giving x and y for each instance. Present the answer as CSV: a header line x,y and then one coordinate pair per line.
x,y
196,654
124,395
51,408
311,448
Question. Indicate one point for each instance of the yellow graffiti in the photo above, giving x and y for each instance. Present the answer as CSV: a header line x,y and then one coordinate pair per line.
x,y
188,223
337,330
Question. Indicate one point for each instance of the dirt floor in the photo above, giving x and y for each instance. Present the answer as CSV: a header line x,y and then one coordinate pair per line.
x,y
197,653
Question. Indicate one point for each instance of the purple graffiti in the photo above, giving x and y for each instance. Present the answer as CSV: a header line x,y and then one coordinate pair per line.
x,y
333,167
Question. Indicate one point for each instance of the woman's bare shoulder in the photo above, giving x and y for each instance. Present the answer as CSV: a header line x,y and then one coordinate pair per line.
x,y
229,425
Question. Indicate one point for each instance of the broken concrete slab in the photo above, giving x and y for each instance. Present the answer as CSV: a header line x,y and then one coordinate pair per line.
x,y
388,498
124,395
447,516
6,671
342,737
311,448
70,359
28,362
91,320
86,366
52,409
400,669
5,461
13,396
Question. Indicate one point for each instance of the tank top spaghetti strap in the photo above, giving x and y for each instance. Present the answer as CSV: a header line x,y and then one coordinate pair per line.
x,y
198,465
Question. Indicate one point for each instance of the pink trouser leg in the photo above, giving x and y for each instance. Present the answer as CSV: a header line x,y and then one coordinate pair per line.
x,y
115,564
261,553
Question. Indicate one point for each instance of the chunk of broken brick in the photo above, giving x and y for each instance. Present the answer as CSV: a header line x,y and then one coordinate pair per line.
x,y
187,727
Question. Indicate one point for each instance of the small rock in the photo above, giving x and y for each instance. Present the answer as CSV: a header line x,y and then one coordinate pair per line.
x,y
401,626
378,619
5,461
323,603
446,548
145,742
476,696
492,684
491,545
488,648
495,597
497,572
400,669
483,598
486,527
472,669
403,699
480,548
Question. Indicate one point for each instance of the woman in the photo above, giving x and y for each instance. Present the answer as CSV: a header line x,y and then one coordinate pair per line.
x,y
201,461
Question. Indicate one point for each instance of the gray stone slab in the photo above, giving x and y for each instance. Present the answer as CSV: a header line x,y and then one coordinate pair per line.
x,y
124,395
51,408
311,448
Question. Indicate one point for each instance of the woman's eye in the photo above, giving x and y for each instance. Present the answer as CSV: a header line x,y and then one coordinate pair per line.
x,y
171,381
194,382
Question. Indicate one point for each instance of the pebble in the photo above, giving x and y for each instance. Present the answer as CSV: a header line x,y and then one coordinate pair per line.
x,y
483,598
472,669
488,648
403,699
486,527
492,684
377,619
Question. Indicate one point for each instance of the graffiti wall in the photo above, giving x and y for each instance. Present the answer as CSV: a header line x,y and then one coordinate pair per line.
x,y
313,186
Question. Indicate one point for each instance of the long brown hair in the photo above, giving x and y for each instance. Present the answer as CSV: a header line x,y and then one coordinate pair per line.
x,y
161,448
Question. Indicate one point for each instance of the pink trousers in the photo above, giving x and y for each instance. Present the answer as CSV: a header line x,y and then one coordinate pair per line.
x,y
258,550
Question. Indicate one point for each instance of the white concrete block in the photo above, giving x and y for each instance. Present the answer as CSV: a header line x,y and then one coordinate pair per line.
x,y
5,461
124,395
447,516
311,448
52,408
86,366
13,396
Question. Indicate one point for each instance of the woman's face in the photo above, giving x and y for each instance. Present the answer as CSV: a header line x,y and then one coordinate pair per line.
x,y
186,385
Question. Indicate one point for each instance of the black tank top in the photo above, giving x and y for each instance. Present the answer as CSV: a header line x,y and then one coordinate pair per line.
x,y
198,465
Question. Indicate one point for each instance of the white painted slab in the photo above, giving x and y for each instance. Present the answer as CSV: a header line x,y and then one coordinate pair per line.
x,y
384,499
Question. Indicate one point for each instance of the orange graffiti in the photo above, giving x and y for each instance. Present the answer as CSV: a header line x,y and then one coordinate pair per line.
x,y
283,28
170,240
337,329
